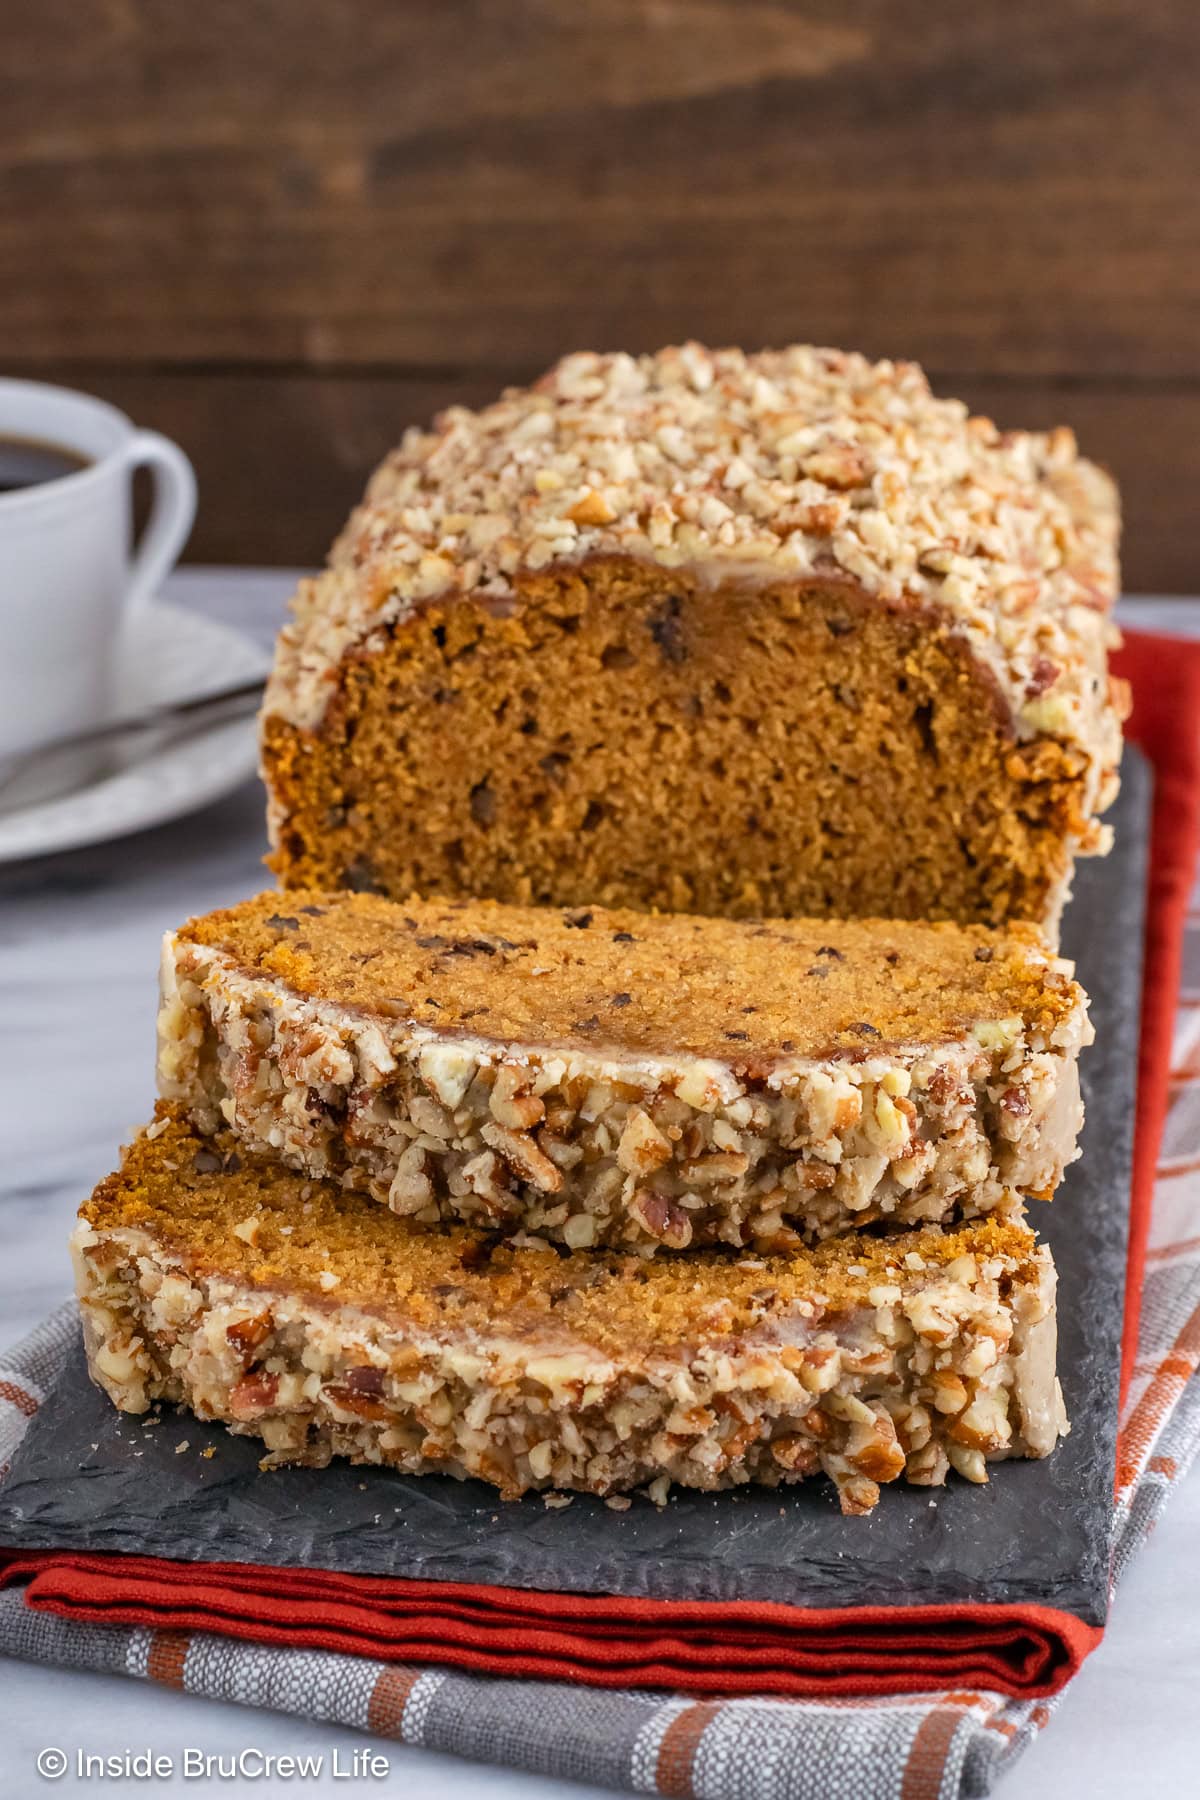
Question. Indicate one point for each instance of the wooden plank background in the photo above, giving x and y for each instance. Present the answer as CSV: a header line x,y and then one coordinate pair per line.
x,y
282,230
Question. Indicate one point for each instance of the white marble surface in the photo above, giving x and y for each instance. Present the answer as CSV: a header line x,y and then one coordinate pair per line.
x,y
78,954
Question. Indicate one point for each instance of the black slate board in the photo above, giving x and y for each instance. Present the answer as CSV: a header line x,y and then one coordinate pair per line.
x,y
88,1479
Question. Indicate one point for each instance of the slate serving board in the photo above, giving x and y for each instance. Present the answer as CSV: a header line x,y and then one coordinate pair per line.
x,y
87,1478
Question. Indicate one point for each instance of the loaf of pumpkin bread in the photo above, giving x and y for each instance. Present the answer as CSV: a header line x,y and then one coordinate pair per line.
x,y
307,1317
613,1078
745,635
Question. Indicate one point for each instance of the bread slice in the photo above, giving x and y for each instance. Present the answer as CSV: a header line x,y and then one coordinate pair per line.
x,y
303,1315
709,632
619,1078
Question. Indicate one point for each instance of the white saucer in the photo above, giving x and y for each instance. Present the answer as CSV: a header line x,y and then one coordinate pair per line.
x,y
174,655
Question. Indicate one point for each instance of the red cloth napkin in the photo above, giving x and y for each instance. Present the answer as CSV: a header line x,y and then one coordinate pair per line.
x,y
725,1647
1164,673
753,1647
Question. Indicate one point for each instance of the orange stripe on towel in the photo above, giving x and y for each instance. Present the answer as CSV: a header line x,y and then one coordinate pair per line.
x,y
168,1654
675,1767
1170,1378
1169,1171
1181,1247
926,1763
389,1697
16,1396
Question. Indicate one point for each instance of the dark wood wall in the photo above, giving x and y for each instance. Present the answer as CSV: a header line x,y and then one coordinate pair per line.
x,y
280,230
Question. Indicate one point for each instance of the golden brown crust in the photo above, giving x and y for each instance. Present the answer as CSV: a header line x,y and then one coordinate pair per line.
x,y
597,980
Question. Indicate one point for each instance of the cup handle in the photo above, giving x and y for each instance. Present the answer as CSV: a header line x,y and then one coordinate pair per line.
x,y
171,515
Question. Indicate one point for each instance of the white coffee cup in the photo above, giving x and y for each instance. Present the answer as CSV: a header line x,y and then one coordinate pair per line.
x,y
71,583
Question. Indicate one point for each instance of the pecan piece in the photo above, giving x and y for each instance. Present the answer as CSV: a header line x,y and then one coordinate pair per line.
x,y
856,1494
362,1402
944,1084
721,1165
523,1157
1043,675
365,1380
511,1102
984,1425
253,1395
247,1334
662,1218
928,1466
795,1454
949,1391
642,1148
816,1423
